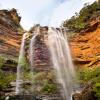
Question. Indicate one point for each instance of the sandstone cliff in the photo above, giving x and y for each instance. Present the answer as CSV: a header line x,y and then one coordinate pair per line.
x,y
85,46
10,38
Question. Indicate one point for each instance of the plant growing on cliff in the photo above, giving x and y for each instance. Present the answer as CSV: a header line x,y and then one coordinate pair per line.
x,y
87,74
2,61
81,21
5,79
96,89
49,87
45,82
91,75
24,63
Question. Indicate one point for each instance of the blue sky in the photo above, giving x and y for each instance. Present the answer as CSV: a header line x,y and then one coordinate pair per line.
x,y
45,12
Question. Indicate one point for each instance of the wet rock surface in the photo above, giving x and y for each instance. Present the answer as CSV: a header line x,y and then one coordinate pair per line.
x,y
41,51
86,94
23,97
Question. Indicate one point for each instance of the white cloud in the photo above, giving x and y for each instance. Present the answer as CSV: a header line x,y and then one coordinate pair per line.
x,y
28,9
89,1
40,11
67,10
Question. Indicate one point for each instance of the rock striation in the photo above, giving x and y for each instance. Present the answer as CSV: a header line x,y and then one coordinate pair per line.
x,y
85,46
10,36
41,50
10,39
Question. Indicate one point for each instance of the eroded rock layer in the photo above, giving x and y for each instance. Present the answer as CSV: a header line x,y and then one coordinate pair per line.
x,y
10,37
85,46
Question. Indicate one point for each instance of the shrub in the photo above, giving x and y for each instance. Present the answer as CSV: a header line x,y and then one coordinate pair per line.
x,y
49,88
88,75
96,89
24,63
44,82
5,79
81,21
2,61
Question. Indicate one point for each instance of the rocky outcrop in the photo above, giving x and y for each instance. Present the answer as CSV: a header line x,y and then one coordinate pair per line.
x,y
41,50
10,40
85,46
10,37
86,94
10,19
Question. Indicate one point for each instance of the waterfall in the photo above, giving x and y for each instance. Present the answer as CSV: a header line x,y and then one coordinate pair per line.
x,y
19,80
31,59
60,57
62,62
31,52
31,55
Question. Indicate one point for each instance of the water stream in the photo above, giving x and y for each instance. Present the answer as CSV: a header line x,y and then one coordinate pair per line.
x,y
60,57
31,56
62,62
19,80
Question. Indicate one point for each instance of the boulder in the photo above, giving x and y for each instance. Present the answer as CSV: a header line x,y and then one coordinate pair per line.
x,y
86,94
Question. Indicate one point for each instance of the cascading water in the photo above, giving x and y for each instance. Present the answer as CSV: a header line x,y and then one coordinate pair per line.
x,y
60,57
31,55
62,62
19,80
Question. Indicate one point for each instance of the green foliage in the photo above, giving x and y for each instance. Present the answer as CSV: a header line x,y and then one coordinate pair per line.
x,y
2,61
87,75
96,89
20,29
81,21
2,97
5,79
23,62
45,80
41,77
49,87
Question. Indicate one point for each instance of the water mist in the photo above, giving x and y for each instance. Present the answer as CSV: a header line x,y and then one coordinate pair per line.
x,y
62,61
19,80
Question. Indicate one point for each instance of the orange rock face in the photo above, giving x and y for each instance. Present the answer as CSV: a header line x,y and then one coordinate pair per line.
x,y
10,38
85,48
9,42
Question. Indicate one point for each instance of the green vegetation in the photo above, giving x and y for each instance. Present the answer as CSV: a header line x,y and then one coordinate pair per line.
x,y
86,75
2,61
81,21
49,87
45,80
24,63
96,89
91,75
5,79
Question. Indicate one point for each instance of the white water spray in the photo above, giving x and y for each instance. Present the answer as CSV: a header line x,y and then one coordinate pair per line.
x,y
19,81
31,55
31,59
62,62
